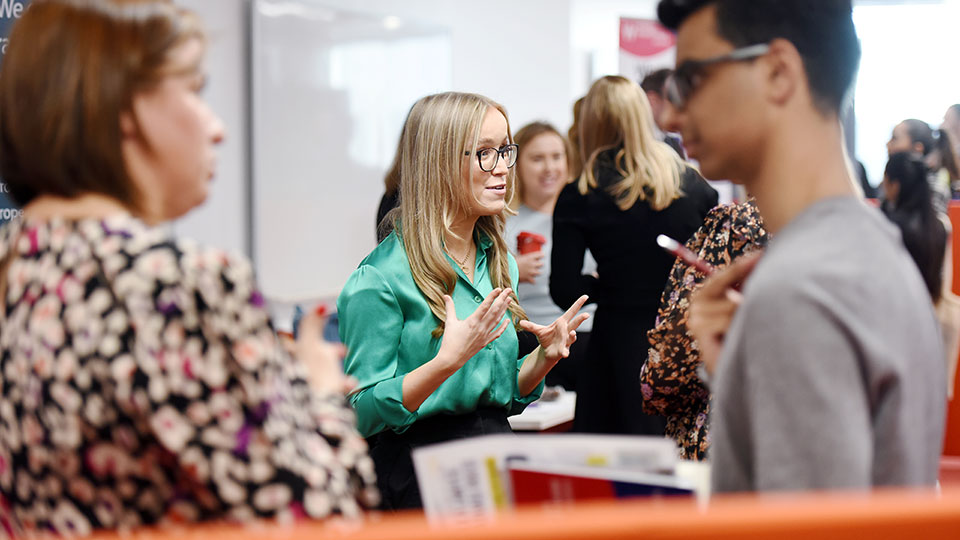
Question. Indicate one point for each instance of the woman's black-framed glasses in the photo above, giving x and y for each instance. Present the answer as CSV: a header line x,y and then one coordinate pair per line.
x,y
684,81
489,157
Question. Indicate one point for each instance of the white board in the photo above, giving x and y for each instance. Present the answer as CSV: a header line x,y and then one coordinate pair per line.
x,y
331,89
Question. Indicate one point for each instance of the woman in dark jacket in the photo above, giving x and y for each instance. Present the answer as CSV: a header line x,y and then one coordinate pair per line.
x,y
633,188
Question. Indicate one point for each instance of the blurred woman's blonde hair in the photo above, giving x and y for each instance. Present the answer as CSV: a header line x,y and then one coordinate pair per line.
x,y
573,139
616,115
433,194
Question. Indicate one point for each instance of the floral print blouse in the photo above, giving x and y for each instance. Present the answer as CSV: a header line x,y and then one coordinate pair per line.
x,y
141,382
669,381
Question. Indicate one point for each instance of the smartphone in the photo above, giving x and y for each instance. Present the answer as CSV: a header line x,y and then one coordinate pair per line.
x,y
681,252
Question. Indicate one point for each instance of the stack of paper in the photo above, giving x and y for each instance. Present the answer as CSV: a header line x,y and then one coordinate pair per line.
x,y
481,475
545,414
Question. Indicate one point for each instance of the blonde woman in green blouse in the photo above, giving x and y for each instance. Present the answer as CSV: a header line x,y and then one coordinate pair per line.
x,y
430,316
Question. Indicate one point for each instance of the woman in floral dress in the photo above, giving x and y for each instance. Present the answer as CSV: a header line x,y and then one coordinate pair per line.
x,y
140,379
670,381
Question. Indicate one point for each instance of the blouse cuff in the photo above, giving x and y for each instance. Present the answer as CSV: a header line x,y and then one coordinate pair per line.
x,y
388,396
520,402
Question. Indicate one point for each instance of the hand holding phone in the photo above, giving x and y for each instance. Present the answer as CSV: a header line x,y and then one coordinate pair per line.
x,y
681,252
713,306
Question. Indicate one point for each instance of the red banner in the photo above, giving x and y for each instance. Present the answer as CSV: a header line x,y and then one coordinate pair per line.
x,y
645,46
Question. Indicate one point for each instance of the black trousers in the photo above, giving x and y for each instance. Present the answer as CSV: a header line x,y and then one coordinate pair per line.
x,y
391,452
608,384
565,372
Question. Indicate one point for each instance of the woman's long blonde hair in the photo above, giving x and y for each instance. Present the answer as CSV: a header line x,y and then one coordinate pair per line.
x,y
616,114
433,194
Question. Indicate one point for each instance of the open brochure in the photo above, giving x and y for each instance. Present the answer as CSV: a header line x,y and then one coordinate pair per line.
x,y
472,477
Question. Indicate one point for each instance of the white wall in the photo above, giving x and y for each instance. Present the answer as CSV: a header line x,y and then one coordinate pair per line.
x,y
595,36
331,89
223,221
560,46
908,70
531,39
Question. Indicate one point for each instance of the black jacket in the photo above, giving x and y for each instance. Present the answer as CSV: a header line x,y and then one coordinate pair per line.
x,y
632,268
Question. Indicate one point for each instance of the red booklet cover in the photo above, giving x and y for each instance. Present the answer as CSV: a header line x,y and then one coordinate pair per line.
x,y
532,483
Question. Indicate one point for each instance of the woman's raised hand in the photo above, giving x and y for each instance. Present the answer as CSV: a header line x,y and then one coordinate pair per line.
x,y
322,358
463,339
557,337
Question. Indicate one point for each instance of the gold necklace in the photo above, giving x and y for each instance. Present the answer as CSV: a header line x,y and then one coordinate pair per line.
x,y
463,263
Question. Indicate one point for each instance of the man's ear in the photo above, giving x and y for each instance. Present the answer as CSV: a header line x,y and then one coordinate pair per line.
x,y
785,76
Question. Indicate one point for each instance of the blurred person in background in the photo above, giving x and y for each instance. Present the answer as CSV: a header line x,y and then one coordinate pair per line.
x,y
869,192
142,380
951,124
542,171
670,379
907,204
390,200
429,317
652,86
633,188
573,138
936,149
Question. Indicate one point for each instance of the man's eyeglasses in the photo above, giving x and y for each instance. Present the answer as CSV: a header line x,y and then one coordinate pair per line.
x,y
488,157
683,82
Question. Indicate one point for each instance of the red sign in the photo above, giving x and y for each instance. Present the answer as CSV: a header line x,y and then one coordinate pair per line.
x,y
642,37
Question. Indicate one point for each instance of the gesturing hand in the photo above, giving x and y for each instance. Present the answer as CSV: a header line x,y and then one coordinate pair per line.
x,y
463,339
557,337
713,306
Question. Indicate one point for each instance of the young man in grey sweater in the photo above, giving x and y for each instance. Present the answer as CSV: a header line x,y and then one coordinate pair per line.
x,y
829,372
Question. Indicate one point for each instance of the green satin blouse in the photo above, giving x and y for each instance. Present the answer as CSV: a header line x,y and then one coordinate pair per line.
x,y
386,324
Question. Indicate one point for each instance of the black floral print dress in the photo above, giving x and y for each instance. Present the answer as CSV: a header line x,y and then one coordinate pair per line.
x,y
669,381
142,383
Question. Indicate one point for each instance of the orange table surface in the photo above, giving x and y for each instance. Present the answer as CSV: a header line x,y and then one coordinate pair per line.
x,y
881,515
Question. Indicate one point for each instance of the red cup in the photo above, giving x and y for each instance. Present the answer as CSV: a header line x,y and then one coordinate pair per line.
x,y
528,242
